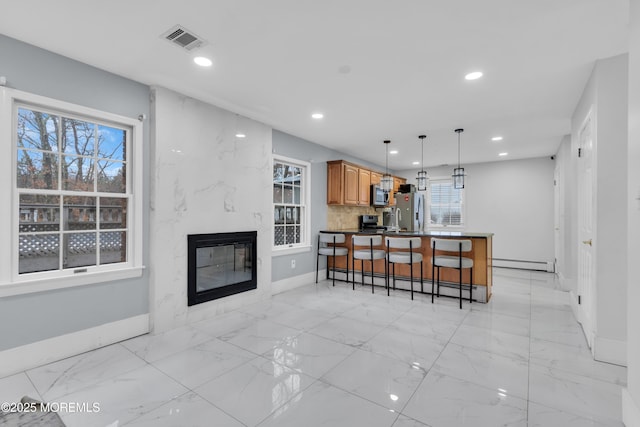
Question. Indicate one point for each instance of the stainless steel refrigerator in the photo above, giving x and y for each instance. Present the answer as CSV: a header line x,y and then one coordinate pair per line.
x,y
410,211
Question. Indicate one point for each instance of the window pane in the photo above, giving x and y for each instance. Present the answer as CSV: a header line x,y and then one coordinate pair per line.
x,y
79,213
113,212
78,137
112,143
77,173
38,252
37,170
445,204
113,247
79,250
292,234
277,193
39,213
288,194
111,177
278,235
279,214
37,130
278,172
295,212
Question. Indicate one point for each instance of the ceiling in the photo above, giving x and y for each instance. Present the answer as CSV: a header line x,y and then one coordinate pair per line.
x,y
377,69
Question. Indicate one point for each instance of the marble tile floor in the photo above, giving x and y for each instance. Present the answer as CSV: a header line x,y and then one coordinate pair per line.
x,y
325,356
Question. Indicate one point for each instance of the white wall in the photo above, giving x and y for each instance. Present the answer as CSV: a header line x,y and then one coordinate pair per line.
x,y
44,316
605,95
566,262
631,395
512,199
203,180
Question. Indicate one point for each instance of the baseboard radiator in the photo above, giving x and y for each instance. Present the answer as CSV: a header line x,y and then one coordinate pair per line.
x,y
519,264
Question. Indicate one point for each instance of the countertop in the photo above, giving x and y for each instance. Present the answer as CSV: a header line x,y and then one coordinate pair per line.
x,y
429,233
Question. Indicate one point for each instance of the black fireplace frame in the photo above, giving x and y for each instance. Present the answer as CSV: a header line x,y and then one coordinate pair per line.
x,y
195,241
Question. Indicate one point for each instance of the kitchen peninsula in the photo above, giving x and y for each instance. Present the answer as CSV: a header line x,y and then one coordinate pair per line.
x,y
481,254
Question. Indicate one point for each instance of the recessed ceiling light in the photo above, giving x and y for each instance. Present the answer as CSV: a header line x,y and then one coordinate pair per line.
x,y
474,75
393,152
496,138
317,115
502,154
415,163
202,61
240,135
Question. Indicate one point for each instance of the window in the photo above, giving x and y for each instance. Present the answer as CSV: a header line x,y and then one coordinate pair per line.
x,y
291,186
446,204
76,181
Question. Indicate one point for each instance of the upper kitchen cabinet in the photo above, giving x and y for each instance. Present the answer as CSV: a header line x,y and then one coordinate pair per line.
x,y
347,184
364,187
397,182
376,177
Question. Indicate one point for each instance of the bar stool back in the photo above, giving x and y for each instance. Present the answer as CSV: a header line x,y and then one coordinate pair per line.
x,y
324,239
409,256
366,251
451,261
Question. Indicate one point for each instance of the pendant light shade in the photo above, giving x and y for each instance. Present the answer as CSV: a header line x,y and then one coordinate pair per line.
x,y
422,177
387,180
458,173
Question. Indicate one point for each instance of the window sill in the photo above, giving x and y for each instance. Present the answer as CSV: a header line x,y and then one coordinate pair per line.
x,y
48,284
291,251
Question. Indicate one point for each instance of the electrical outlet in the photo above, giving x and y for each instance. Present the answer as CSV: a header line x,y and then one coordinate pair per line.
x,y
293,263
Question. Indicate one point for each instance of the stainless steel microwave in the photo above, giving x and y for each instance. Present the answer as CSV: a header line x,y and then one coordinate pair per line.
x,y
379,197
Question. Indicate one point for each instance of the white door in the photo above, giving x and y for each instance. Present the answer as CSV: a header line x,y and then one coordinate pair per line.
x,y
586,310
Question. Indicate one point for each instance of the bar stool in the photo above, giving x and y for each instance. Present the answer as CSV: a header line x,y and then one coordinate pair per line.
x,y
405,257
451,261
370,254
331,251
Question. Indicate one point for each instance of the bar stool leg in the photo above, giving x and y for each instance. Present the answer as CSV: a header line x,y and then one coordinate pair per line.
x,y
471,285
372,276
421,278
461,288
386,275
411,272
433,280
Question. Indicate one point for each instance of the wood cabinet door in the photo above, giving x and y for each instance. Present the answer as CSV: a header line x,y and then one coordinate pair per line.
x,y
335,184
364,185
351,176
375,178
396,186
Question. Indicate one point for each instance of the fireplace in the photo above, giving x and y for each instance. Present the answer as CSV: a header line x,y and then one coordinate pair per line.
x,y
220,265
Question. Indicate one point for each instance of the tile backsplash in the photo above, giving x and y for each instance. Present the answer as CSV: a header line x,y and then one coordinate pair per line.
x,y
346,217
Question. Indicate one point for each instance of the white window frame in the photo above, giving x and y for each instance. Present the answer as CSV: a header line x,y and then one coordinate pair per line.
x,y
463,213
305,203
13,283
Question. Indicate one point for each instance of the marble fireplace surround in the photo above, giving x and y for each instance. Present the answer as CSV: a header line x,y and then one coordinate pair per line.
x,y
203,180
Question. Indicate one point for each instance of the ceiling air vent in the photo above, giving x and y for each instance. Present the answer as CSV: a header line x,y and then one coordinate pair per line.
x,y
184,38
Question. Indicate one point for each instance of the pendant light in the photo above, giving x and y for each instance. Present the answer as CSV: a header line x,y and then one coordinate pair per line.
x,y
458,173
422,174
387,180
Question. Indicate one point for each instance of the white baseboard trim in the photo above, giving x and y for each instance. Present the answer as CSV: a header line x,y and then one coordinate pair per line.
x,y
296,281
524,265
610,351
630,410
40,353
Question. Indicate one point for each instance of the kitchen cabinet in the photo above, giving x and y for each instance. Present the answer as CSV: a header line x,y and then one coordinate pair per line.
x,y
396,186
350,184
364,187
351,187
335,183
375,178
